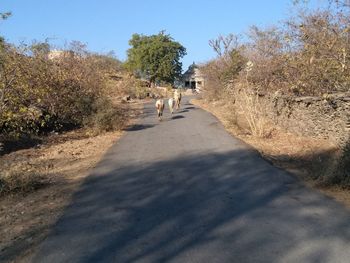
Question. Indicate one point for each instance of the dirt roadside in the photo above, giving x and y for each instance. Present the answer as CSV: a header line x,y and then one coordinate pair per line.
x,y
295,154
25,219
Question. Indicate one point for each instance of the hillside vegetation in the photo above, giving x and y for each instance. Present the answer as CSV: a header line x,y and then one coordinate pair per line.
x,y
307,56
48,92
39,94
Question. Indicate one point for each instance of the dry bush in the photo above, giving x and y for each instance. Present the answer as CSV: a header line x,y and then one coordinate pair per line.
x,y
308,55
20,180
105,64
222,70
264,51
128,85
39,94
213,86
254,112
163,91
340,173
321,65
106,116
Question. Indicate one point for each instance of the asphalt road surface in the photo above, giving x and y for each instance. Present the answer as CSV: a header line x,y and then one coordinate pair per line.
x,y
184,190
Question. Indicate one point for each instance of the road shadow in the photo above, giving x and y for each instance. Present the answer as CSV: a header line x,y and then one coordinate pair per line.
x,y
176,117
182,111
138,127
228,207
190,108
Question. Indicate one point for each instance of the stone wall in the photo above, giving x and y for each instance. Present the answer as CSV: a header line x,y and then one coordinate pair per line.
x,y
325,117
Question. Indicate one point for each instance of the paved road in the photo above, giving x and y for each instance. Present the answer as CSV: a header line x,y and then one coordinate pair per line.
x,y
183,190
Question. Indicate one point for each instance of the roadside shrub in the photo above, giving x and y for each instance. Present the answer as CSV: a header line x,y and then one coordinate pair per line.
x,y
20,181
254,112
128,85
341,173
40,92
138,91
225,68
308,55
106,117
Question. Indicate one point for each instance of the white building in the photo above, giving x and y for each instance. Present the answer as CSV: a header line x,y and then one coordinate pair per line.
x,y
55,54
58,54
193,78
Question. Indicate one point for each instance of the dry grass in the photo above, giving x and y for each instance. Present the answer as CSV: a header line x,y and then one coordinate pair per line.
x,y
20,181
254,113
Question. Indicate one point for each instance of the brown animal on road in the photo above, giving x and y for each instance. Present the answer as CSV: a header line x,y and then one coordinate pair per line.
x,y
160,108
177,97
171,103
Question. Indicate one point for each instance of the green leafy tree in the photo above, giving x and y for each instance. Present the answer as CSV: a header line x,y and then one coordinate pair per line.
x,y
155,57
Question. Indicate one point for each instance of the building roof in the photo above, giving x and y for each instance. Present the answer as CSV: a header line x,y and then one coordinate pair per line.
x,y
193,71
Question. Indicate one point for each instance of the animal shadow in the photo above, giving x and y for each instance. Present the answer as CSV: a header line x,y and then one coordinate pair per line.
x,y
177,117
138,127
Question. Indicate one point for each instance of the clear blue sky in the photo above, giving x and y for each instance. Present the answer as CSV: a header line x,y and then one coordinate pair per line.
x,y
107,25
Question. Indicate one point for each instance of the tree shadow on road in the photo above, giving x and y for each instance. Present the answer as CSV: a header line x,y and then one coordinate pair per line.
x,y
202,207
